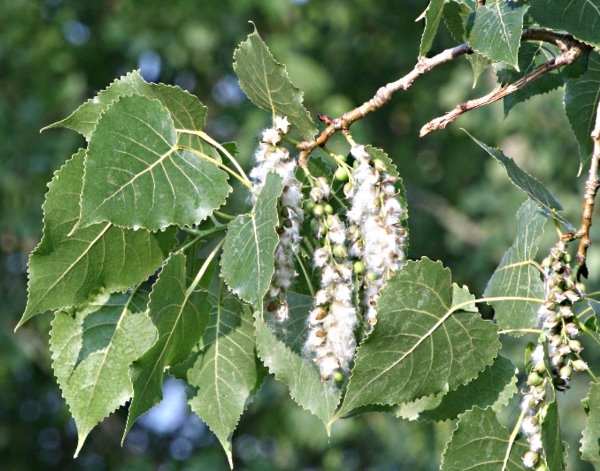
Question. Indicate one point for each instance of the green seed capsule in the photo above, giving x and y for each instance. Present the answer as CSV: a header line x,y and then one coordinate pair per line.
x,y
348,188
338,377
339,251
328,209
371,276
341,174
534,379
318,210
359,267
308,205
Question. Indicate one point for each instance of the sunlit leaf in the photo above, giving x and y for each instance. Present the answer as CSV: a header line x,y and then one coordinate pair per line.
x,y
267,84
226,371
516,277
420,345
135,176
481,443
70,265
483,391
92,348
496,30
248,252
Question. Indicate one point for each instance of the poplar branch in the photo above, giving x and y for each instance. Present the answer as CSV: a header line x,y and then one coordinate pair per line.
x,y
589,198
568,56
570,49
383,95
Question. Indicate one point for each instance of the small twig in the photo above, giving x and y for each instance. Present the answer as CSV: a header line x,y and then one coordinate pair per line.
x,y
383,95
565,58
589,198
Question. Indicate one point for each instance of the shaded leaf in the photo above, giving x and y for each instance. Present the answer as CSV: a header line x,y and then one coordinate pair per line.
x,y
581,18
483,391
462,295
421,345
433,15
516,277
248,252
267,84
530,185
496,30
68,266
581,101
481,443
92,349
280,348
180,315
225,372
590,445
553,445
84,119
135,176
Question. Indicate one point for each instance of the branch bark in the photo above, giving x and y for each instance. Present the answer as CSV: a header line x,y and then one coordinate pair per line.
x,y
571,50
589,198
383,95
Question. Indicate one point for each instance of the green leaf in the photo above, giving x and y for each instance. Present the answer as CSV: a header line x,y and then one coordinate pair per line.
x,y
180,315
581,100
248,253
225,371
135,176
516,277
553,446
483,391
530,185
84,119
581,18
92,348
280,349
70,265
267,84
496,30
421,344
531,56
433,15
481,443
590,445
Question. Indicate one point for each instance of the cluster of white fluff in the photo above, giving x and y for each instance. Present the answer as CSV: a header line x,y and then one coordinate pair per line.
x,y
377,236
331,342
270,157
559,326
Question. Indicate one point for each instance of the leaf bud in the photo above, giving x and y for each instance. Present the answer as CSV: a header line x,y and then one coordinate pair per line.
x,y
341,174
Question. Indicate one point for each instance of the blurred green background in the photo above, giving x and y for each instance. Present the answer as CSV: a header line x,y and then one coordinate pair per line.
x,y
54,54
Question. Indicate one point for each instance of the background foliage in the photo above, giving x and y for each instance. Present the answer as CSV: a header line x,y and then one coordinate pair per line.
x,y
55,54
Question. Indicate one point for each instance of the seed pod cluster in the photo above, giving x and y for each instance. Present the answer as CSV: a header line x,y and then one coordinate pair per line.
x,y
377,236
271,157
331,341
556,354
